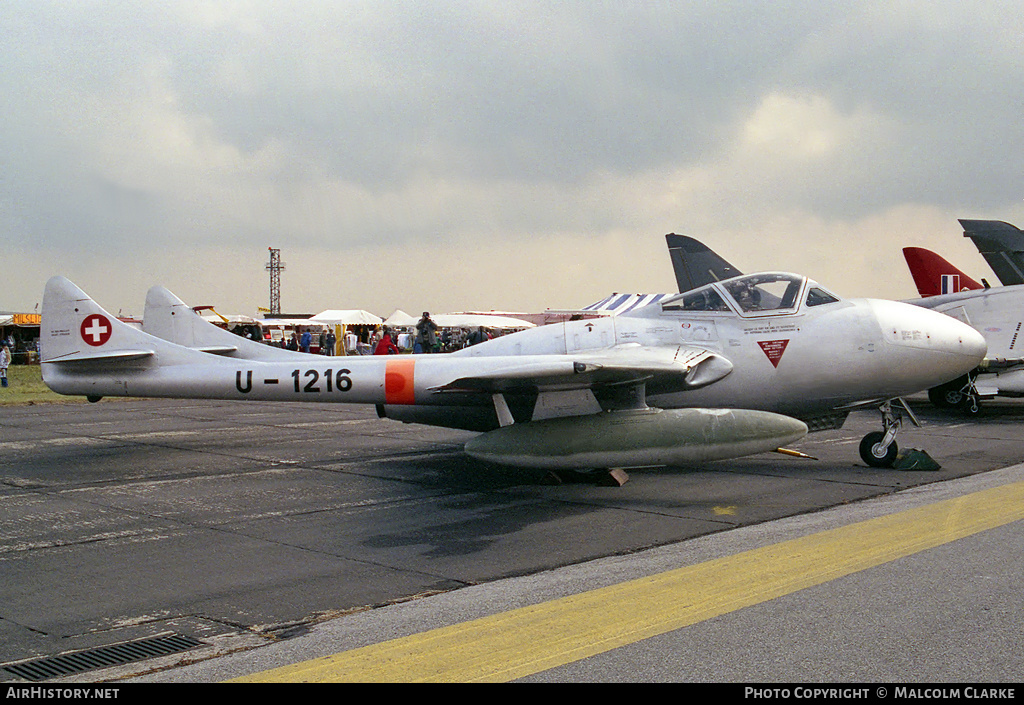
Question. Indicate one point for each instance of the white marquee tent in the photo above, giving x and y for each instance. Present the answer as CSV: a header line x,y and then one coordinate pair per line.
x,y
349,317
401,319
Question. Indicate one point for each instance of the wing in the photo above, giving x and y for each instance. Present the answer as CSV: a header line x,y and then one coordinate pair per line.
x,y
1001,364
583,383
675,368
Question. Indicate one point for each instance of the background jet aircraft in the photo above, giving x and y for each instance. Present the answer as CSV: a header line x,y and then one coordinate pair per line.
x,y
997,313
695,264
726,368
1002,246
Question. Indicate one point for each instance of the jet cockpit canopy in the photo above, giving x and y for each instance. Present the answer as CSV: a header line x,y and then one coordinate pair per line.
x,y
764,293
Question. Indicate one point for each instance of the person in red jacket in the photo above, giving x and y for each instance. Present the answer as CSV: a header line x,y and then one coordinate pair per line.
x,y
386,346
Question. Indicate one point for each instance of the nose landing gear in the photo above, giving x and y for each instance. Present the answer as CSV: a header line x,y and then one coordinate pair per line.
x,y
878,448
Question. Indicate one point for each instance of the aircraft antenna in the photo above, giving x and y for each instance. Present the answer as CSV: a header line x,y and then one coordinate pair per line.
x,y
274,266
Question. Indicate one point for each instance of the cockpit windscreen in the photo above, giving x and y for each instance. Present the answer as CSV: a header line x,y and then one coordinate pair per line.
x,y
765,292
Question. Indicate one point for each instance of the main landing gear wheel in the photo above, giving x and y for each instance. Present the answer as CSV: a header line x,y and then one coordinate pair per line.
x,y
959,394
872,452
947,396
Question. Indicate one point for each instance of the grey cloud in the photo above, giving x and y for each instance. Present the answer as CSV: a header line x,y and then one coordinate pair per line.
x,y
536,97
550,95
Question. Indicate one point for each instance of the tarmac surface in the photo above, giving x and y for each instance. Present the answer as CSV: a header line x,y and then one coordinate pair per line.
x,y
273,534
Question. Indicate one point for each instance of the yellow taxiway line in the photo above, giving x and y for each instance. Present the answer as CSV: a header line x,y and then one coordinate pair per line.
x,y
532,639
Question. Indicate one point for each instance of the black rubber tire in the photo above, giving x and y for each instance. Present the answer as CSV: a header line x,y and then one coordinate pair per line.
x,y
945,397
868,456
949,395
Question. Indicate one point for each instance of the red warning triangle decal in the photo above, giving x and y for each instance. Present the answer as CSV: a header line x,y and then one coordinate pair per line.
x,y
774,349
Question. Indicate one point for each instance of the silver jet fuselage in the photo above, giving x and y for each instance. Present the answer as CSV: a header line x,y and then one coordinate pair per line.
x,y
805,353
771,341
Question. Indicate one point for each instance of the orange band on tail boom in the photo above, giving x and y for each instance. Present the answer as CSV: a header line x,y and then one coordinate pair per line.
x,y
399,387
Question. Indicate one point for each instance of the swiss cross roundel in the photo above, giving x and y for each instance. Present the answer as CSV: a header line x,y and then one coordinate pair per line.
x,y
96,329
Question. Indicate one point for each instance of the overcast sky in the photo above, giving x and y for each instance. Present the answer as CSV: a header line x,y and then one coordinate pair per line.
x,y
445,156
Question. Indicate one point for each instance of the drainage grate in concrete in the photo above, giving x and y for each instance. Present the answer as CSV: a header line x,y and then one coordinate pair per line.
x,y
102,657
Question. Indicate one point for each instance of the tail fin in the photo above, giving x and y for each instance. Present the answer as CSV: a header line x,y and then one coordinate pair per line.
x,y
1002,246
76,329
171,319
933,275
695,264
78,338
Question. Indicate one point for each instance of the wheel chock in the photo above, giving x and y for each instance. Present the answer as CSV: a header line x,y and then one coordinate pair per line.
x,y
914,459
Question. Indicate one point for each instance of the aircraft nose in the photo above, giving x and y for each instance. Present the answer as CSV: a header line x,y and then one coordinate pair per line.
x,y
974,343
953,337
952,347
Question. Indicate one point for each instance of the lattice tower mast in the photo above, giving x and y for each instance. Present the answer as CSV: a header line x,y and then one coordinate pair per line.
x,y
274,267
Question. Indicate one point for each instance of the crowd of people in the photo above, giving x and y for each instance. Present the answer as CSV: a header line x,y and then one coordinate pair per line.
x,y
302,341
428,338
431,338
424,338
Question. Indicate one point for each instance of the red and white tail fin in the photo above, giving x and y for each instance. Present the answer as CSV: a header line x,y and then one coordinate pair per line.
x,y
933,275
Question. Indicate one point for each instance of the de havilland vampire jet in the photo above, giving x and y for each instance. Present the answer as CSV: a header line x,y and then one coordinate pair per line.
x,y
733,368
